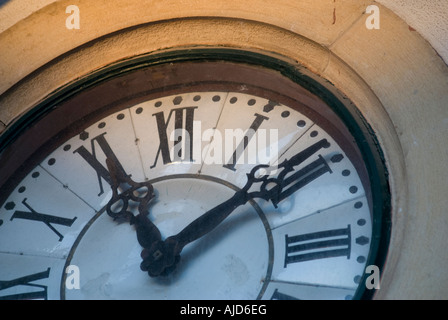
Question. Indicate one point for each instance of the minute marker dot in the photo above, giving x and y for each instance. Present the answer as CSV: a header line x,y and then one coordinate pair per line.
x,y
178,100
10,205
301,123
353,189
361,259
358,205
337,158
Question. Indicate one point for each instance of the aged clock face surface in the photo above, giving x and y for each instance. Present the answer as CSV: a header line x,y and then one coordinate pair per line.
x,y
304,231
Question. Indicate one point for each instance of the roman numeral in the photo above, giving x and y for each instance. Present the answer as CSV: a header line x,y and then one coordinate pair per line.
x,y
318,245
245,142
91,158
290,180
48,220
26,281
301,178
183,126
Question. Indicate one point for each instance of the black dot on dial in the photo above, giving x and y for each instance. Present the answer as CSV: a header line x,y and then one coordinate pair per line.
x,y
120,116
84,136
22,189
67,147
362,240
1,222
139,110
251,102
158,104
216,98
358,205
51,161
361,259
197,98
353,189
301,123
10,205
314,134
337,158
178,100
285,114
102,125
35,174
346,173
233,100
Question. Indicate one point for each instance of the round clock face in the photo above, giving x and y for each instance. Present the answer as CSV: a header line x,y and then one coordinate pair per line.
x,y
199,192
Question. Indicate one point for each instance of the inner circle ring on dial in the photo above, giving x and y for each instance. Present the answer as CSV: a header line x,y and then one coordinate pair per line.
x,y
255,206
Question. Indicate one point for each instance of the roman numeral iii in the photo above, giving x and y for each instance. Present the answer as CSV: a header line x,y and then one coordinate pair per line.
x,y
318,245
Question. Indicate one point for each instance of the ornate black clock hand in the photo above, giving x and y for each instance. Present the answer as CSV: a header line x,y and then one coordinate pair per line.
x,y
162,256
118,206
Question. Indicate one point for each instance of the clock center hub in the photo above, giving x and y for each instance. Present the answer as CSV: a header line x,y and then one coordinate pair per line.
x,y
230,261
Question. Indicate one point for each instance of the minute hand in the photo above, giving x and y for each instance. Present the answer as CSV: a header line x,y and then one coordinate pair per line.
x,y
273,189
208,221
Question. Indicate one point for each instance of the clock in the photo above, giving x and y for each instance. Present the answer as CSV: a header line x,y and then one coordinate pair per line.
x,y
194,174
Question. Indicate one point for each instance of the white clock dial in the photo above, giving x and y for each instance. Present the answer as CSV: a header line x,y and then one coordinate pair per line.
x,y
311,243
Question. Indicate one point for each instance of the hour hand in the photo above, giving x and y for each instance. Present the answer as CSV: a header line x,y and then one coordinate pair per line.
x,y
133,193
162,257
